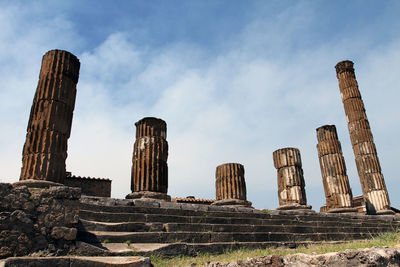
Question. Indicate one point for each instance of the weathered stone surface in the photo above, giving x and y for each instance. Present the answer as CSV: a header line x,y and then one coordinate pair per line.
x,y
333,169
328,147
364,148
150,126
150,154
368,167
291,186
361,257
38,219
286,157
189,229
229,182
49,126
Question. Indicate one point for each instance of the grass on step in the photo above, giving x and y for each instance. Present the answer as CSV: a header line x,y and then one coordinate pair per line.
x,y
385,239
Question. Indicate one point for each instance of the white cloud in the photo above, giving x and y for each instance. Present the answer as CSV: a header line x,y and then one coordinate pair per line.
x,y
236,107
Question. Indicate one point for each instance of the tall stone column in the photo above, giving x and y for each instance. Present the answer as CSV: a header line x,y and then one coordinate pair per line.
x,y
369,169
49,126
149,177
230,185
339,197
291,186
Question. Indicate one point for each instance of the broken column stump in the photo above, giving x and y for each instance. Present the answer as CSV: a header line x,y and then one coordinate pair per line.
x,y
291,186
49,126
149,177
339,198
230,185
367,162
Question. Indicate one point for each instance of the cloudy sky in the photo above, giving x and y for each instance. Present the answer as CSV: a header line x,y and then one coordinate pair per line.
x,y
234,80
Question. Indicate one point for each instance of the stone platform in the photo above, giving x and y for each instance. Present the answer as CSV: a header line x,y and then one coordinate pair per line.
x,y
135,227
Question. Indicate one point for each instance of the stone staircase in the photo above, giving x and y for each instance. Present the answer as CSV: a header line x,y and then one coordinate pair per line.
x,y
140,227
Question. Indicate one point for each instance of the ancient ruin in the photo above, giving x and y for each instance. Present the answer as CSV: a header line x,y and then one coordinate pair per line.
x,y
230,185
48,218
149,178
49,126
100,187
333,169
291,186
368,166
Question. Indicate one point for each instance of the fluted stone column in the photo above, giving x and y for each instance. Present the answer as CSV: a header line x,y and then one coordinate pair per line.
x,y
49,126
339,197
368,166
230,185
149,178
291,186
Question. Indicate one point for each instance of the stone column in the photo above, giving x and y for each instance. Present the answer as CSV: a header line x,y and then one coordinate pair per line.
x,y
291,186
149,177
49,126
369,169
339,197
230,185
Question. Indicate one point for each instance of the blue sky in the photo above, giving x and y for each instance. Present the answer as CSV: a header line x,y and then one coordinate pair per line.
x,y
234,80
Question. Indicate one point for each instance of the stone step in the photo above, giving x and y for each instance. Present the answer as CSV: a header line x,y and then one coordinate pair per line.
x,y
197,237
244,228
182,248
216,211
201,227
120,226
160,218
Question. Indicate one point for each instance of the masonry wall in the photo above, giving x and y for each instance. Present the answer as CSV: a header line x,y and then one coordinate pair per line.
x,y
38,219
97,187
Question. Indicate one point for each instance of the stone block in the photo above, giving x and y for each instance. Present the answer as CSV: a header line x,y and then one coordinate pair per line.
x,y
351,91
230,182
146,203
364,148
61,232
328,147
353,104
356,115
361,136
286,157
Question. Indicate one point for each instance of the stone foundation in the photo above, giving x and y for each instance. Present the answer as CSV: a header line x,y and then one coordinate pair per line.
x,y
37,219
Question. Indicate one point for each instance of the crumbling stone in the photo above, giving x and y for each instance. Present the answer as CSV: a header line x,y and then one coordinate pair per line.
x,y
149,178
362,257
39,219
333,169
230,185
49,126
291,186
367,162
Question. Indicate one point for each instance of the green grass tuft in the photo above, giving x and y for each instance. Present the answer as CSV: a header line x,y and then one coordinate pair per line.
x,y
385,239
